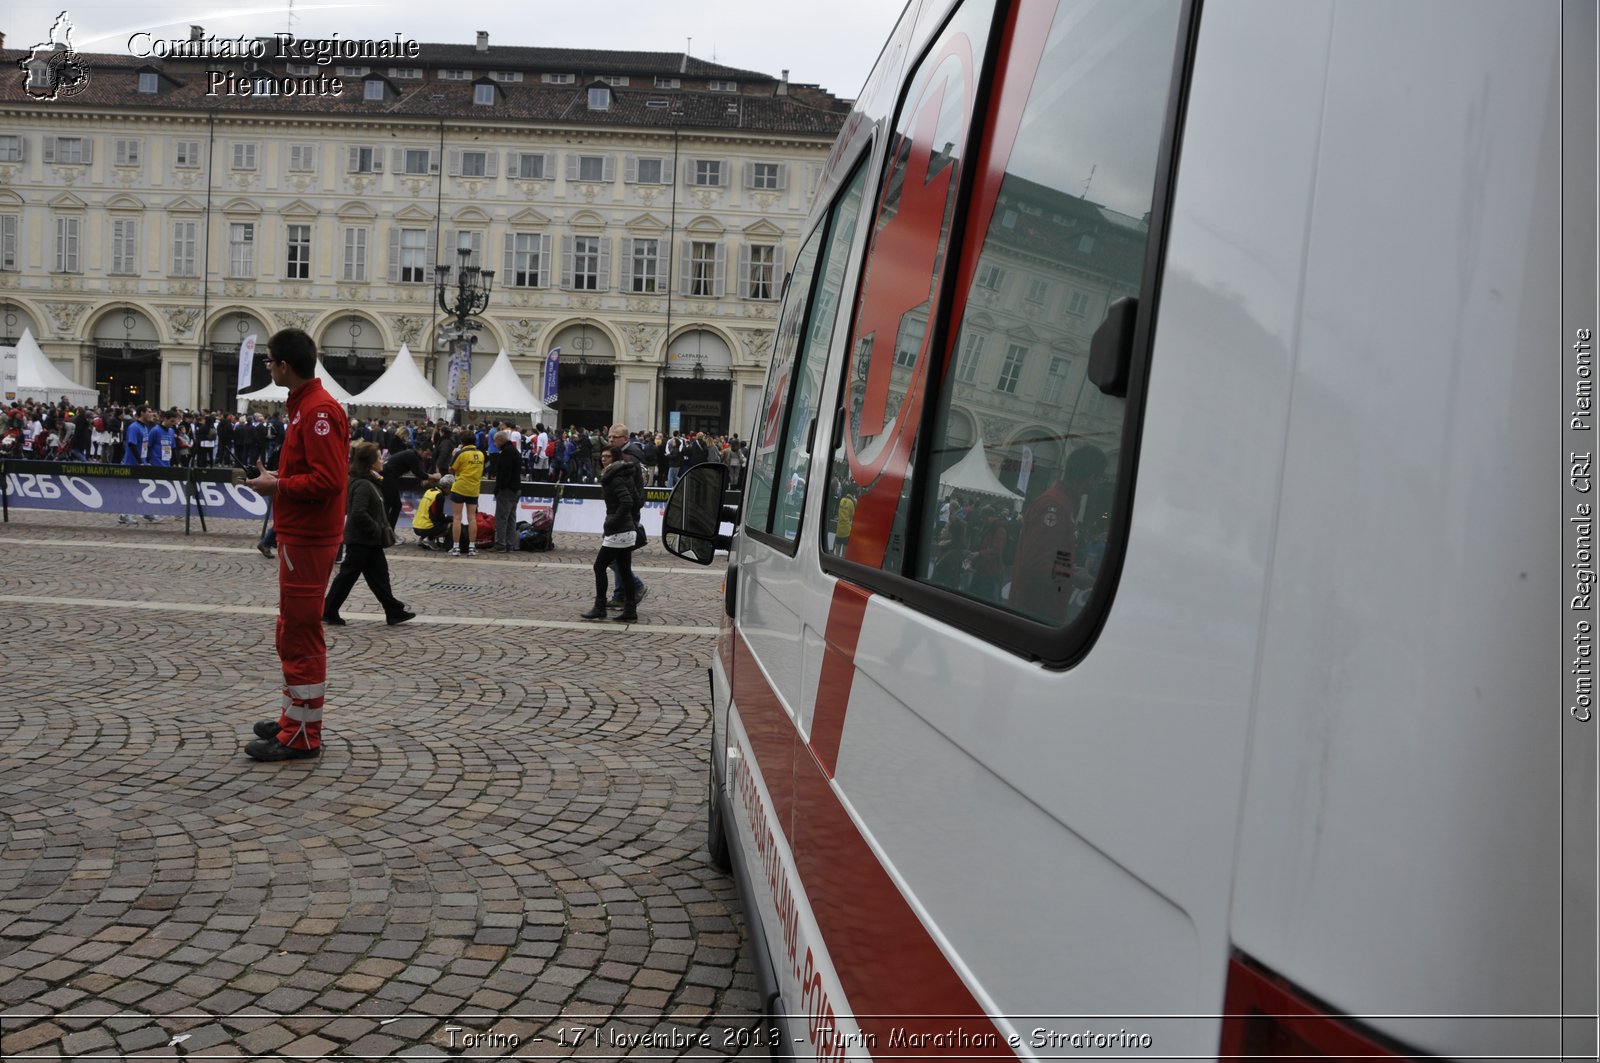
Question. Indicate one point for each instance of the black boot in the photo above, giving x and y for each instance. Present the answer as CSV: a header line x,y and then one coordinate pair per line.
x,y
630,606
598,611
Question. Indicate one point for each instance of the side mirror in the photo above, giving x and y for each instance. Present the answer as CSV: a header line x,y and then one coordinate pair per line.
x,y
1111,347
691,526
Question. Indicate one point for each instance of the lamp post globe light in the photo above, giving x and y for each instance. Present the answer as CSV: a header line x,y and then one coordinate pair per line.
x,y
469,296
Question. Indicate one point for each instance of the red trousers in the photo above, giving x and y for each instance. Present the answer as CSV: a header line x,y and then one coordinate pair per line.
x,y
302,580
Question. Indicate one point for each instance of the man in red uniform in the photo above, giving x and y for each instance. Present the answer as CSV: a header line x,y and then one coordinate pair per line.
x,y
308,512
1042,576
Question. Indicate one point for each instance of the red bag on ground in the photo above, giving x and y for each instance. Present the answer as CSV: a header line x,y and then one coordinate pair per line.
x,y
485,529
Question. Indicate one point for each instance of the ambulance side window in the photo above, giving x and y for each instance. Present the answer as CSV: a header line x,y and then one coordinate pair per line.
x,y
1025,445
792,402
1004,515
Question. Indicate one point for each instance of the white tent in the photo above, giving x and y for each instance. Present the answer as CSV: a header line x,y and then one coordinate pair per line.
x,y
274,393
972,473
402,385
38,379
502,391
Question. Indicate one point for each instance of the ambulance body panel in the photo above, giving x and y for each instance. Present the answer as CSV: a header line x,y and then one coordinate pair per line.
x,y
1303,723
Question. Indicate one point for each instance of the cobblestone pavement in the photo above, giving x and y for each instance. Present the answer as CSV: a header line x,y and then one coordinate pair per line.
x,y
499,852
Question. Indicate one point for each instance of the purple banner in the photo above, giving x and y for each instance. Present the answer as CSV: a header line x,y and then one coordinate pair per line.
x,y
552,365
98,492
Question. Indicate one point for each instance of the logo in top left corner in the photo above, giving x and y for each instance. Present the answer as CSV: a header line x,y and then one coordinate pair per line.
x,y
52,70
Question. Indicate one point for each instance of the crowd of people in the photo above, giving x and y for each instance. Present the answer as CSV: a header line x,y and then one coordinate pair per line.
x,y
44,431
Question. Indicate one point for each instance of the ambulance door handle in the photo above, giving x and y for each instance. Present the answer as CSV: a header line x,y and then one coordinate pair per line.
x,y
730,589
1111,349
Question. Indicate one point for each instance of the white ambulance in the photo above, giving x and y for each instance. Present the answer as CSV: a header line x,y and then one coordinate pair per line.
x,y
1145,623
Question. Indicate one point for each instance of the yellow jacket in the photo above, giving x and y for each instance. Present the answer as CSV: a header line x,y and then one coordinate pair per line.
x,y
421,521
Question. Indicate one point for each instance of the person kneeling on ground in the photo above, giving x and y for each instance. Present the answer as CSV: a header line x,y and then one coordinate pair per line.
x,y
367,533
429,522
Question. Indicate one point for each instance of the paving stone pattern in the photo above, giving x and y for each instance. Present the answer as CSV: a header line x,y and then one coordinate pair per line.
x,y
499,852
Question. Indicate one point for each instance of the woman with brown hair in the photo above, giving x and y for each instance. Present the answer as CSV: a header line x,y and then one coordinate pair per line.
x,y
623,491
367,533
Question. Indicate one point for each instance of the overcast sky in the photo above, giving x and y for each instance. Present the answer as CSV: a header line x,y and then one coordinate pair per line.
x,y
828,42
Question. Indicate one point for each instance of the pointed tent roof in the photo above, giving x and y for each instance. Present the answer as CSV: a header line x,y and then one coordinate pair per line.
x,y
502,391
37,378
972,473
403,385
274,393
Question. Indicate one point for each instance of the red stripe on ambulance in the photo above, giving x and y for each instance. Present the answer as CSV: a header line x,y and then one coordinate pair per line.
x,y
900,988
838,672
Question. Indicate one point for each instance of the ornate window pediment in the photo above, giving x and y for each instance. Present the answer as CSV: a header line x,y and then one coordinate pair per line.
x,y
763,230
707,226
646,223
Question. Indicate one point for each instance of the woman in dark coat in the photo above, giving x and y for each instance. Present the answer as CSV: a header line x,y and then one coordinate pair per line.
x,y
624,497
367,532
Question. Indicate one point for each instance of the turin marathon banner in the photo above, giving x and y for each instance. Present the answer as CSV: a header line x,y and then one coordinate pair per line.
x,y
162,492
138,489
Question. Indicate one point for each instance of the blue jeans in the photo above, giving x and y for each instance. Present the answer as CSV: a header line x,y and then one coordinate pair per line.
x,y
616,581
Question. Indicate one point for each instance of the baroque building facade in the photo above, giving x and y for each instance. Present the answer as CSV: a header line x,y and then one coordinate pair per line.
x,y
639,210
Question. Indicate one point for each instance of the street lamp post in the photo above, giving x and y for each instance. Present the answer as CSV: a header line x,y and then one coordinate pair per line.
x,y
469,296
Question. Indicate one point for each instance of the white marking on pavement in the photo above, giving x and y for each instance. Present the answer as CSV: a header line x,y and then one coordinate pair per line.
x,y
463,621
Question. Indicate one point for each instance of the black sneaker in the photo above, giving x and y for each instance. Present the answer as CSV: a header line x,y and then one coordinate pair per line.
x,y
401,617
336,621
266,729
270,750
266,551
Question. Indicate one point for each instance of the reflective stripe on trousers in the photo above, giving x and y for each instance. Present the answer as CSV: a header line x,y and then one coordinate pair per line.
x,y
302,579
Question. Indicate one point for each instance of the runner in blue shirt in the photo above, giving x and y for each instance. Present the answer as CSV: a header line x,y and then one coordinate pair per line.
x,y
164,440
134,446
136,451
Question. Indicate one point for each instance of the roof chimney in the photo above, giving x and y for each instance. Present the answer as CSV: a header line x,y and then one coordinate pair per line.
x,y
197,33
483,40
783,84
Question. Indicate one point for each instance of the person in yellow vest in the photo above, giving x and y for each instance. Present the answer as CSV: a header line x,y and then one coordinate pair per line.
x,y
845,518
428,521
468,469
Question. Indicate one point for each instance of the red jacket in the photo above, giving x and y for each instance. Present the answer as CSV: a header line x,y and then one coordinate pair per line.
x,y
313,469
1041,578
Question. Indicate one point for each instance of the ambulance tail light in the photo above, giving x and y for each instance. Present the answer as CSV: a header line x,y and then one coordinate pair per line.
x,y
1264,1018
